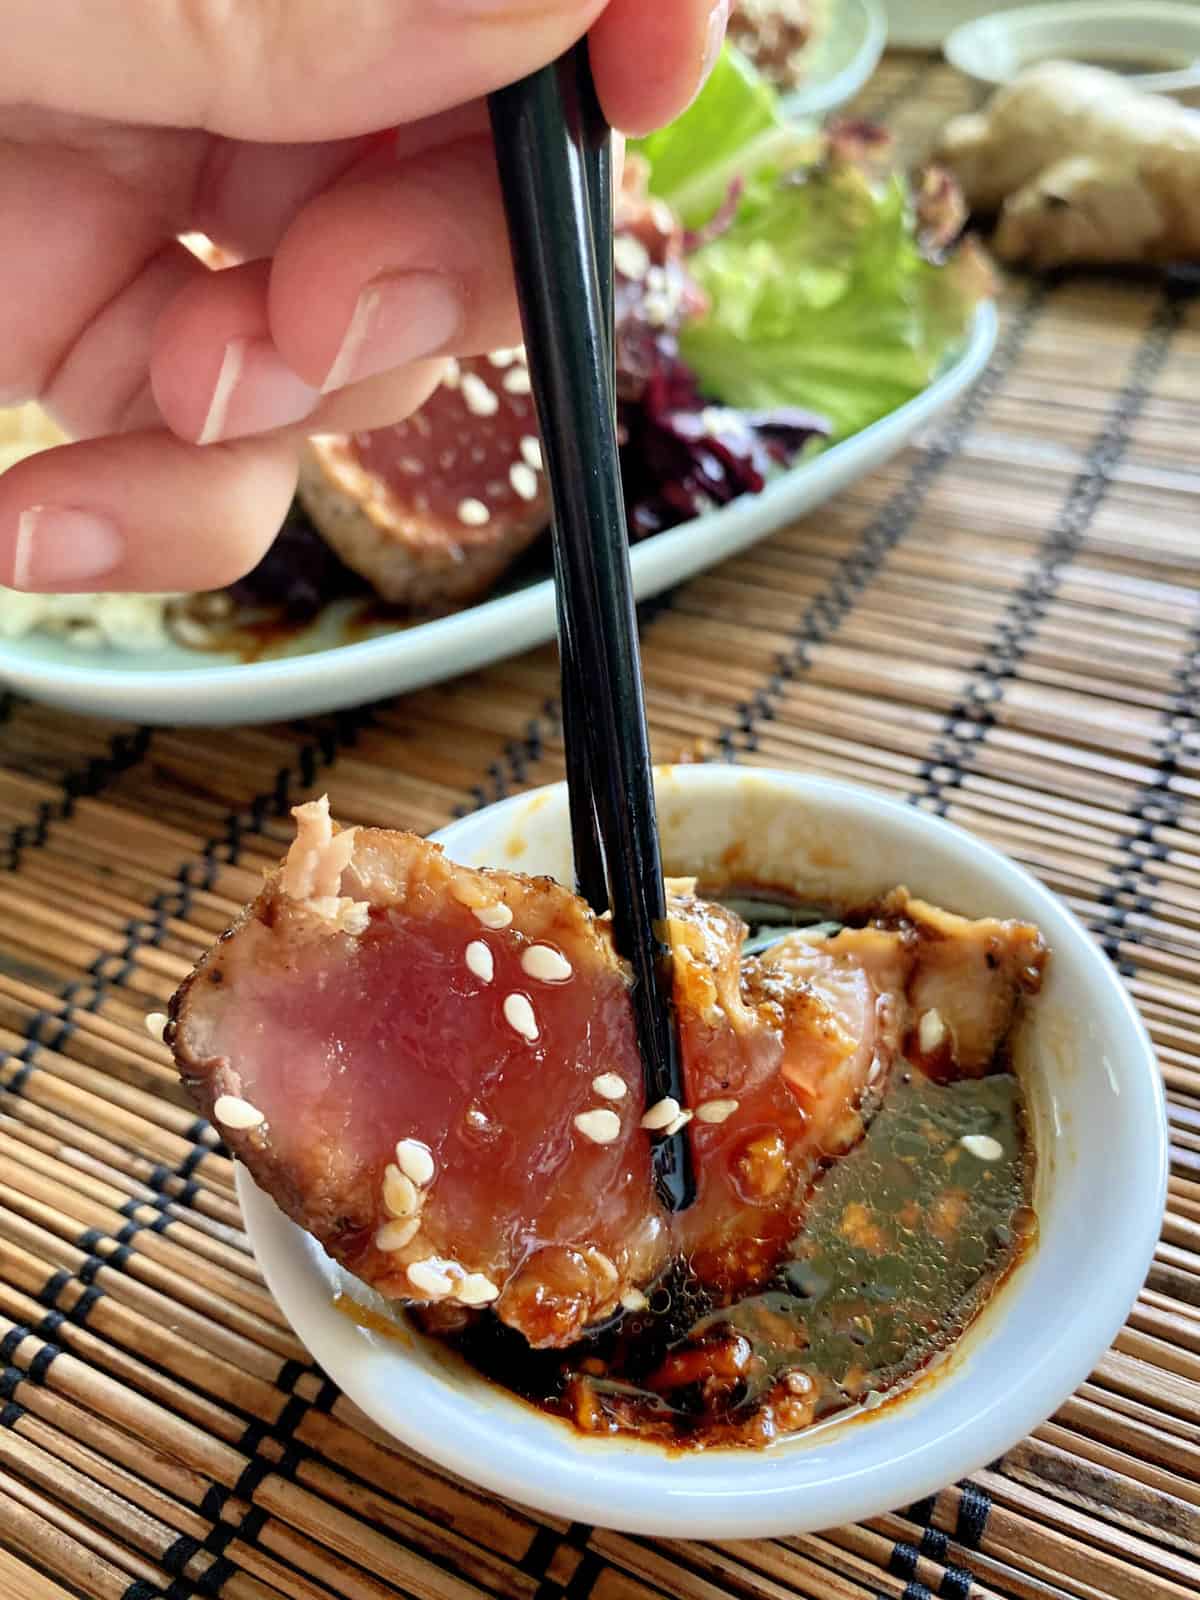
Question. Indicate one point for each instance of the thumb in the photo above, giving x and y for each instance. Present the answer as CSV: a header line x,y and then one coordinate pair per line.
x,y
276,69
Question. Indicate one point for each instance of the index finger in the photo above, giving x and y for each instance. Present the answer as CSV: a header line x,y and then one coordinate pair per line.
x,y
276,69
293,70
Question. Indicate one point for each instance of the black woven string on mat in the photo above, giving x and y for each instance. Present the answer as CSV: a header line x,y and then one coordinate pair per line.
x,y
221,1532
1156,805
966,723
125,751
285,1461
510,769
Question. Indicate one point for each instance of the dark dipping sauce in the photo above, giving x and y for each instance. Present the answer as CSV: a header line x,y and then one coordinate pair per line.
x,y
904,1240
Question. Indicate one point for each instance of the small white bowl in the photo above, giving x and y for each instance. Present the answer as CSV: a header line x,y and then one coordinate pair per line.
x,y
1101,1137
1154,44
842,60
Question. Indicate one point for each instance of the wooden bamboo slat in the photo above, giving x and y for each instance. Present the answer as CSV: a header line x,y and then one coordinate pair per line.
x,y
1001,626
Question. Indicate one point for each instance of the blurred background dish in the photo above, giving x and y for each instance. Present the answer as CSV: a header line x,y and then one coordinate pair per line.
x,y
926,24
817,53
842,57
1155,44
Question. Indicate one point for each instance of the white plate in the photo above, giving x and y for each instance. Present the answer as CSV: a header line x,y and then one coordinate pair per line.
x,y
176,686
1160,38
842,60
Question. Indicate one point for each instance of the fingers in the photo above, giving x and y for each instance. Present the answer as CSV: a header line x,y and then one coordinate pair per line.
x,y
217,372
375,275
397,268
101,385
76,234
266,70
650,61
142,512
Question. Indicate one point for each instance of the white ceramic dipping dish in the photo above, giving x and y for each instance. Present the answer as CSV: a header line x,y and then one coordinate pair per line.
x,y
1101,1137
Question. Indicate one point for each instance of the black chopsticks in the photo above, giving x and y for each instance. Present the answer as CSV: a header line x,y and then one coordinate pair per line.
x,y
596,137
553,149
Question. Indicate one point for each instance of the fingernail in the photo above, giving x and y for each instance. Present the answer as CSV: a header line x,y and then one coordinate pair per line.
x,y
400,317
255,391
517,10
714,38
62,548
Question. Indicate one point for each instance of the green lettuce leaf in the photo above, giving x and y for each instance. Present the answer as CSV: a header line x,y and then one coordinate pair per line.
x,y
733,130
820,295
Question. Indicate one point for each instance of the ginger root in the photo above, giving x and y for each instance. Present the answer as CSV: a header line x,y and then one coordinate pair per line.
x,y
1082,167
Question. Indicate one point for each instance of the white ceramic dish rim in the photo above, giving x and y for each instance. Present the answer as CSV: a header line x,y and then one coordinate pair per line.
x,y
969,46
940,1433
347,675
817,95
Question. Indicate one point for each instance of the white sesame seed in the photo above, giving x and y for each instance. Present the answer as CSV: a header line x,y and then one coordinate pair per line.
x,y
231,1111
518,1013
681,1121
502,358
156,1024
601,1127
428,1277
716,1110
982,1146
634,1300
664,218
524,480
476,1290
610,1086
516,381
604,1265
630,256
395,1235
480,400
545,964
415,1161
400,1196
497,915
657,308
451,373
531,452
473,513
931,1030
661,1115
480,961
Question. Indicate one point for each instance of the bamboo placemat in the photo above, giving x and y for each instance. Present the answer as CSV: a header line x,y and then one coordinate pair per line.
x,y
1002,626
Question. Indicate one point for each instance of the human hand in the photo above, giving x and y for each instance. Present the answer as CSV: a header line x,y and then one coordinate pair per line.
x,y
340,151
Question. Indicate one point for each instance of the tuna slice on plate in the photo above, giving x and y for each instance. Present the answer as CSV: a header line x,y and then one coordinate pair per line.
x,y
433,510
434,1070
